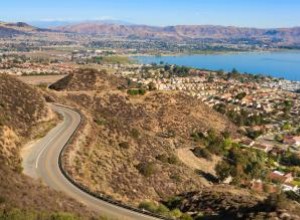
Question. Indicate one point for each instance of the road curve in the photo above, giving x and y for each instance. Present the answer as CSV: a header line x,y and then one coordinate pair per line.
x,y
41,161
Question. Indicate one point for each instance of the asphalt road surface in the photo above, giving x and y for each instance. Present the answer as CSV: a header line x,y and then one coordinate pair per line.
x,y
41,162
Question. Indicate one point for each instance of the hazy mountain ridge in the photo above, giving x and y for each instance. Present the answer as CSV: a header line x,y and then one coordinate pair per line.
x,y
185,32
19,28
272,38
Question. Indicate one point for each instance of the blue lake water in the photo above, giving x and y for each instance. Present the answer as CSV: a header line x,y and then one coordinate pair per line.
x,y
284,64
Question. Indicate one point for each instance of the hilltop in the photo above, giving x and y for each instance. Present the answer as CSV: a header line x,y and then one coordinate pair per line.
x,y
19,28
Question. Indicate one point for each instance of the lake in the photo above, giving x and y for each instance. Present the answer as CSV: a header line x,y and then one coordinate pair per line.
x,y
284,64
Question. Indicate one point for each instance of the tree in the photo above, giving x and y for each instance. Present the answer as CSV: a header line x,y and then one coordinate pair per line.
x,y
152,86
223,170
241,95
234,71
220,73
286,126
167,67
202,153
279,138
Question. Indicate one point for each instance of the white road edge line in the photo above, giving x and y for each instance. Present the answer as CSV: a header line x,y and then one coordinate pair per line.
x,y
45,147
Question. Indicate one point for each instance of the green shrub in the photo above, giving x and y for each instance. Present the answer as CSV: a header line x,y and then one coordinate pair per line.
x,y
186,217
124,145
175,177
135,133
165,159
173,159
241,95
151,86
162,210
149,206
63,216
100,121
2,200
173,202
134,92
224,170
15,214
202,153
176,213
147,169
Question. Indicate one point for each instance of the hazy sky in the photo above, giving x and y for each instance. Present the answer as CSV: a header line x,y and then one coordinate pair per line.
x,y
254,13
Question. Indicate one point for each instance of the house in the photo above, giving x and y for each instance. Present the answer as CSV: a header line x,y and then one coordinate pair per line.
x,y
276,151
297,140
264,147
289,140
280,177
247,143
260,186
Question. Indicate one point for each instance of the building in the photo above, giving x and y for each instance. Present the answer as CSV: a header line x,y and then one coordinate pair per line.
x,y
280,177
264,147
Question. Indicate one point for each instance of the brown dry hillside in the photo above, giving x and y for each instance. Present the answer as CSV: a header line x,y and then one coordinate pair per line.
x,y
229,203
24,115
22,108
285,36
88,80
128,150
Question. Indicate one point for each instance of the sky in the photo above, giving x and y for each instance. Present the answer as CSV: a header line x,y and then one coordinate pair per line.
x,y
243,13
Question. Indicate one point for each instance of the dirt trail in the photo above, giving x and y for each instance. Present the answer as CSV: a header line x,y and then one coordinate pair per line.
x,y
190,160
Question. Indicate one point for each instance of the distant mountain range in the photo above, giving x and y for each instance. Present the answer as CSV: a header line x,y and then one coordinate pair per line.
x,y
287,37
185,32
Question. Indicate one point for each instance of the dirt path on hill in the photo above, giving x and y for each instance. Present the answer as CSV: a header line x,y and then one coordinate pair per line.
x,y
190,160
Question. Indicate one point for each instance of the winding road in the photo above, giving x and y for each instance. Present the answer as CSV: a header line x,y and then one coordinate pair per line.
x,y
41,161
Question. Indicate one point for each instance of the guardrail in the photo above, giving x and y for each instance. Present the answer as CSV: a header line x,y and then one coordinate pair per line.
x,y
85,189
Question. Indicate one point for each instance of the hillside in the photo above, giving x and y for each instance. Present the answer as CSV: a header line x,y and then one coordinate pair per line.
x,y
24,116
128,149
8,32
135,147
19,28
229,203
278,36
22,108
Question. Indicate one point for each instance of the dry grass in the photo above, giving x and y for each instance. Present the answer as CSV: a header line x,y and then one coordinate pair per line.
x,y
151,126
24,115
189,159
22,109
39,80
19,191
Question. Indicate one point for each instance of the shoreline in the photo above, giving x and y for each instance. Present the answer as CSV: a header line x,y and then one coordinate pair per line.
x,y
276,67
169,54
